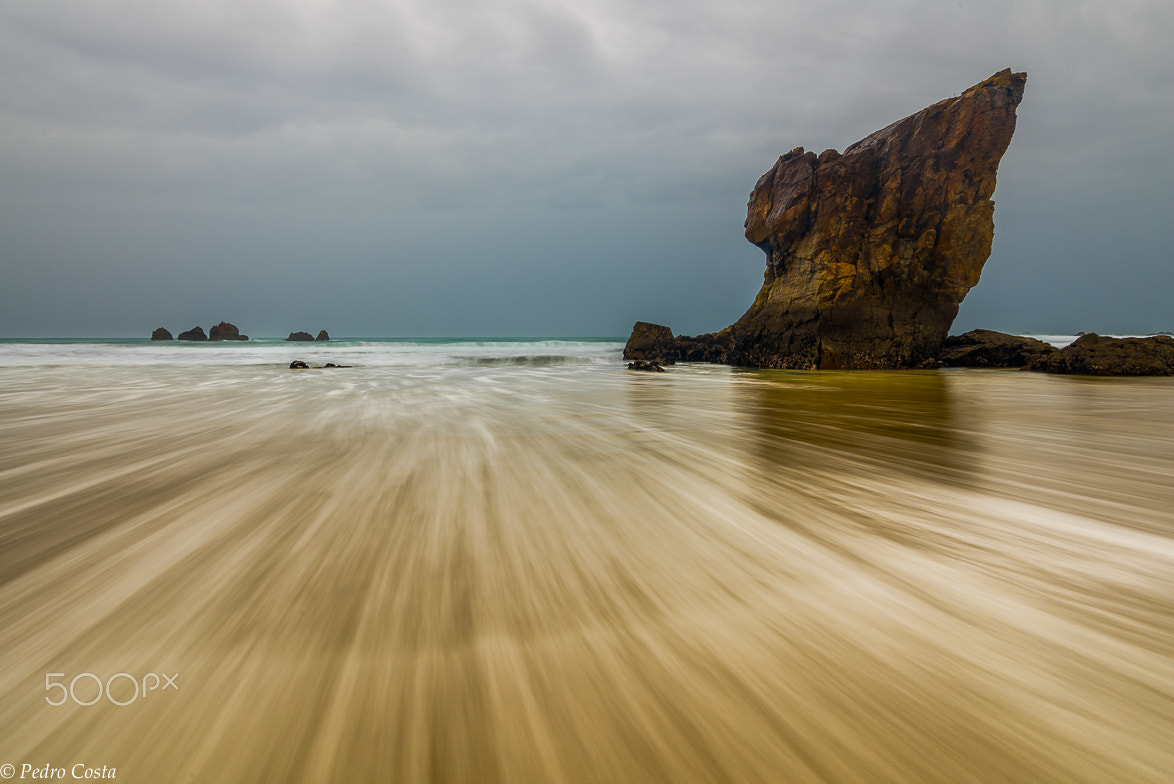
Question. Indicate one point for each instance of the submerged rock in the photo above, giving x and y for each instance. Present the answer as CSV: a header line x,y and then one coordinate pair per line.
x,y
985,348
300,336
298,364
642,364
225,331
1094,355
161,334
870,252
322,335
195,333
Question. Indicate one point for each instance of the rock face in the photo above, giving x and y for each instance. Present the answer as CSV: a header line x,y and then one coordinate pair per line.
x,y
195,333
322,335
225,331
984,348
870,252
300,336
1093,355
161,334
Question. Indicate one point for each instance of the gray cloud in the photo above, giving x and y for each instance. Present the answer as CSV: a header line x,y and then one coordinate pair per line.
x,y
530,167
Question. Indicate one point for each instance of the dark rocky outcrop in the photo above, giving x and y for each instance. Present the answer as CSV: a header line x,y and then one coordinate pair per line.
x,y
1094,355
655,343
195,333
870,252
322,335
645,365
298,364
225,331
987,349
652,342
300,336
161,334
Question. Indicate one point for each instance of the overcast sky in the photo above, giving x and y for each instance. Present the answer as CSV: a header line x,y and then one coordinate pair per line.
x,y
514,167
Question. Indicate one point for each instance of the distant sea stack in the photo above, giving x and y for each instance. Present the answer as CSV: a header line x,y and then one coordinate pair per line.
x,y
225,331
322,335
195,333
300,336
869,252
161,334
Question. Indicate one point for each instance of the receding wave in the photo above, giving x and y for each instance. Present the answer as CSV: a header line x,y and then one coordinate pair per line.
x,y
430,572
540,360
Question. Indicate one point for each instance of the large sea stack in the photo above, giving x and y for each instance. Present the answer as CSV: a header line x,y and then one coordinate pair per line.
x,y
870,252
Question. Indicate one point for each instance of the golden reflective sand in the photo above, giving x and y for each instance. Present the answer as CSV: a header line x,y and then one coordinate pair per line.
x,y
588,575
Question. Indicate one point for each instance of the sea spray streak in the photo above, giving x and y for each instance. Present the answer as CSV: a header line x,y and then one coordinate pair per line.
x,y
428,569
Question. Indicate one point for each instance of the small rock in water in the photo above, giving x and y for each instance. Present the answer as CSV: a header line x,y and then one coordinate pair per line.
x,y
226,331
195,333
297,364
332,365
643,364
161,334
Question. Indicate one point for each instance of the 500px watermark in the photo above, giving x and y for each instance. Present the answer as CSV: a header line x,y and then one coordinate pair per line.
x,y
86,688
79,771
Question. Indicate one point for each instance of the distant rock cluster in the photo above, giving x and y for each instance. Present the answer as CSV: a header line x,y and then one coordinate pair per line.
x,y
226,331
222,331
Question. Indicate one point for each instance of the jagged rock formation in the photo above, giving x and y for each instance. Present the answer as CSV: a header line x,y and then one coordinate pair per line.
x,y
161,334
225,331
195,333
870,252
300,336
322,335
1094,355
985,348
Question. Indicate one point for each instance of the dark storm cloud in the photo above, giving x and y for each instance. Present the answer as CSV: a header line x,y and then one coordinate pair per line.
x,y
532,167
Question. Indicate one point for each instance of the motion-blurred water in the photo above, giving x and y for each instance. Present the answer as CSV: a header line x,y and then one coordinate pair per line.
x,y
518,561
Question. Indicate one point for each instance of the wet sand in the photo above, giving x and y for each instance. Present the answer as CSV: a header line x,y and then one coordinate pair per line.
x,y
588,575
